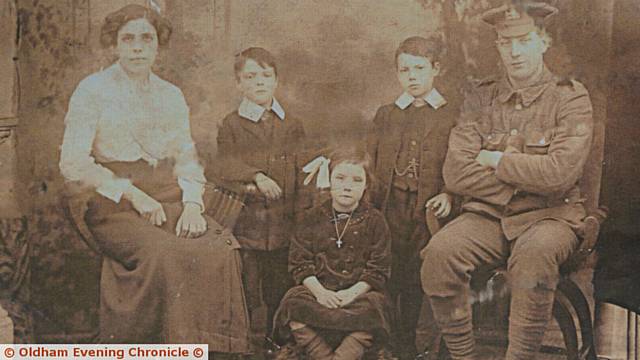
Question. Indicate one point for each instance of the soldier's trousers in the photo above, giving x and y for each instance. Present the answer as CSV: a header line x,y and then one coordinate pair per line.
x,y
474,242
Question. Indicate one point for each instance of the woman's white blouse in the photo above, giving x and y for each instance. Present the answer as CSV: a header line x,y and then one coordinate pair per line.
x,y
110,119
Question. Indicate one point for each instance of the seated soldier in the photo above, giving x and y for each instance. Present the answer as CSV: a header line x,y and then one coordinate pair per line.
x,y
517,155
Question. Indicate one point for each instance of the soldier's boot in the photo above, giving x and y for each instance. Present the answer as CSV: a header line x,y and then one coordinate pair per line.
x,y
313,344
353,346
454,319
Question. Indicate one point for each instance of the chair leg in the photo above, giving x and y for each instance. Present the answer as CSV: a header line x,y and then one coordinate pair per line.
x,y
562,314
577,299
443,351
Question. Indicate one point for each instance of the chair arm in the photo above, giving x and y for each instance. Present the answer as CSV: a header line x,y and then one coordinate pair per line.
x,y
76,202
223,205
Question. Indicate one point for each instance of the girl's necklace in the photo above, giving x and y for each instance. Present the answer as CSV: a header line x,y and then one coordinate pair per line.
x,y
339,234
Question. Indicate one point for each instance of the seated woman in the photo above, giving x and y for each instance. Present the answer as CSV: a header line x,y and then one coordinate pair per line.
x,y
165,278
340,257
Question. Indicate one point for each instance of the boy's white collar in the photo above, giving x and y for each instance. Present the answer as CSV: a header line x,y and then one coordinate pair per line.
x,y
433,98
252,111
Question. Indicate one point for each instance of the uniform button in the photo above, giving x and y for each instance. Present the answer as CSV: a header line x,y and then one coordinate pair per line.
x,y
514,132
228,242
566,200
518,107
410,176
413,143
490,137
282,157
355,233
345,272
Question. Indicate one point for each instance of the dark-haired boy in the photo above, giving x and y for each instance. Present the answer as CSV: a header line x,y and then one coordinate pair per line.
x,y
257,148
408,144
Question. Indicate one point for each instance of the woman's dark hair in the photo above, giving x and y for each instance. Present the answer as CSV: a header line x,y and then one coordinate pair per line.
x,y
117,19
262,56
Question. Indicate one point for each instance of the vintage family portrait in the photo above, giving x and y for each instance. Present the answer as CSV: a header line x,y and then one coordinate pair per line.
x,y
278,179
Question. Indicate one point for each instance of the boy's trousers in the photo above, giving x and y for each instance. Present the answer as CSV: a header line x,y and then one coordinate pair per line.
x,y
266,280
409,236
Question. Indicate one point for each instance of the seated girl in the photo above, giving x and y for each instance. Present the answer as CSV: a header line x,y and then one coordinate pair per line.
x,y
340,259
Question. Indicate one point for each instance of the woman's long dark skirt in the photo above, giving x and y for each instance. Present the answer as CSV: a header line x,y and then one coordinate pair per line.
x,y
157,287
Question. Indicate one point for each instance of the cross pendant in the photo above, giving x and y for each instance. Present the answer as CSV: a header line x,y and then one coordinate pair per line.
x,y
339,243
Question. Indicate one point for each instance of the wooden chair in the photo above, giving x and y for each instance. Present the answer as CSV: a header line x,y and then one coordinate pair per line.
x,y
223,206
569,299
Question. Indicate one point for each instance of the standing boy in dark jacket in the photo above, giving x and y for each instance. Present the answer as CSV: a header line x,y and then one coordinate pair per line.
x,y
257,147
408,143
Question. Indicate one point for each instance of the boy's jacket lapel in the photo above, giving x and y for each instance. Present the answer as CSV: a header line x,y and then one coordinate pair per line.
x,y
254,128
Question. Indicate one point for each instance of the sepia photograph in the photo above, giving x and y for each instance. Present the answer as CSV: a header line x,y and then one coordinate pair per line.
x,y
320,179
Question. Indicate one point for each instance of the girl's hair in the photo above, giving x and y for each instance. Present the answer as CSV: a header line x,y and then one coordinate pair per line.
x,y
117,19
352,155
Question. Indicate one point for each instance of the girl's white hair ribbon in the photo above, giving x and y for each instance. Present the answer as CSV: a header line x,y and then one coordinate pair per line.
x,y
320,166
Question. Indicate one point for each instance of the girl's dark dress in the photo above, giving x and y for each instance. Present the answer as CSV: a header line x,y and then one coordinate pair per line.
x,y
364,255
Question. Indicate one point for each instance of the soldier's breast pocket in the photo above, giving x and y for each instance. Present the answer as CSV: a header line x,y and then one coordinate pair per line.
x,y
538,143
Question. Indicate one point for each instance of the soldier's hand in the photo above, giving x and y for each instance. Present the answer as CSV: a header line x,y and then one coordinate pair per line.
x,y
268,187
489,158
515,144
440,204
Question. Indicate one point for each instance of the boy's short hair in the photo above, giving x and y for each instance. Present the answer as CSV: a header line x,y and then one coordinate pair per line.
x,y
260,55
431,48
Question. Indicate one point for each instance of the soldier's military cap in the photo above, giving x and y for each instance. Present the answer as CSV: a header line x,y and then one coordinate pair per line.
x,y
518,18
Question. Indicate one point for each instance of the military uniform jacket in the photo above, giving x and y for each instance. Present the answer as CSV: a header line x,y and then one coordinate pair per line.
x,y
545,132
384,143
244,149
